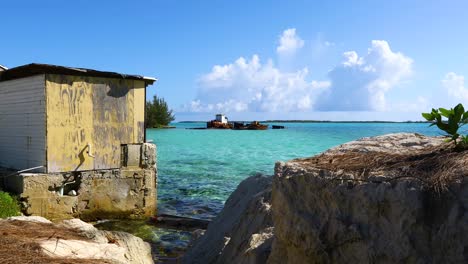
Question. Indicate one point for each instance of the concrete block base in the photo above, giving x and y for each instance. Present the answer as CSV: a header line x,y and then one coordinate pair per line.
x,y
127,192
90,195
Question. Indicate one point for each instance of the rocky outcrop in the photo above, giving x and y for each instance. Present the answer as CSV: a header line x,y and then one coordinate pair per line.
x,y
74,239
242,232
399,198
373,212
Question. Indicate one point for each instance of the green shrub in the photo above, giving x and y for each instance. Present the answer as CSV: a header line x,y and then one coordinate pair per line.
x,y
456,118
158,113
8,205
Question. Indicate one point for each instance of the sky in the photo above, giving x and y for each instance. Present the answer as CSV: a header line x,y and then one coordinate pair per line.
x,y
259,60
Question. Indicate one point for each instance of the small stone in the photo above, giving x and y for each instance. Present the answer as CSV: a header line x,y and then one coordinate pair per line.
x,y
72,193
377,179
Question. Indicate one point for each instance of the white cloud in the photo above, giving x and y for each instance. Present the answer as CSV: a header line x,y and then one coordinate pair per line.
x,y
360,83
352,59
289,42
455,85
249,85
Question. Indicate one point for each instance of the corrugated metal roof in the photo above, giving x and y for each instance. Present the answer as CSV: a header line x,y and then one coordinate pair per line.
x,y
36,68
3,68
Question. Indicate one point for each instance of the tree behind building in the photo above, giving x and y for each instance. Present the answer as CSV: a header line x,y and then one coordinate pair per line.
x,y
158,113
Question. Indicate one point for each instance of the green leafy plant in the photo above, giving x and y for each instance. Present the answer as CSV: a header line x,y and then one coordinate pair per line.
x,y
456,118
8,205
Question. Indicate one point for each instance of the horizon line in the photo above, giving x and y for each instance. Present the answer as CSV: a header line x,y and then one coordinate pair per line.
x,y
313,121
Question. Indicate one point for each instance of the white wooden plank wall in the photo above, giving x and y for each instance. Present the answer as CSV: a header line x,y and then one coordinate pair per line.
x,y
22,123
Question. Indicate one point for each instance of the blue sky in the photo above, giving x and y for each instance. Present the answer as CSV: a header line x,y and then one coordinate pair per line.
x,y
339,60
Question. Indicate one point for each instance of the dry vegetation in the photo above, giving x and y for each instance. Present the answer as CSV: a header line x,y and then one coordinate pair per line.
x,y
436,167
18,243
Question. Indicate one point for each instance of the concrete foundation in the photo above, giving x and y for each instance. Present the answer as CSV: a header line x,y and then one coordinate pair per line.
x,y
127,192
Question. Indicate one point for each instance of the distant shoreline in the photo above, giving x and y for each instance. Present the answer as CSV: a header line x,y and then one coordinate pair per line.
x,y
314,121
329,121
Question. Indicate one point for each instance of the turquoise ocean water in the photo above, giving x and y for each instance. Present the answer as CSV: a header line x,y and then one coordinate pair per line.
x,y
198,169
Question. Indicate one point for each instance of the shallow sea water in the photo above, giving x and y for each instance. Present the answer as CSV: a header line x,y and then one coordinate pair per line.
x,y
198,169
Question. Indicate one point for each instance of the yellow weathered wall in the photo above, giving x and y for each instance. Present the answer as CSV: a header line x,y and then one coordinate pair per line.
x,y
102,112
139,98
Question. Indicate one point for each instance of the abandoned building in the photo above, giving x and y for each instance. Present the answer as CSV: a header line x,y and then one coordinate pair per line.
x,y
72,142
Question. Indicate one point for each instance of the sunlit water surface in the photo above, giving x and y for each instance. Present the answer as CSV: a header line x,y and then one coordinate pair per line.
x,y
198,169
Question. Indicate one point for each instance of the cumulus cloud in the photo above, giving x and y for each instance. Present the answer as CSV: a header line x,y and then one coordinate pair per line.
x,y
289,42
360,83
455,85
249,85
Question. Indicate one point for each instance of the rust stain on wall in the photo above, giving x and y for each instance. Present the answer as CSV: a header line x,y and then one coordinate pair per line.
x,y
101,112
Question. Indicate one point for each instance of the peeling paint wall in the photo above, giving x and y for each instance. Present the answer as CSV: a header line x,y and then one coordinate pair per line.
x,y
102,112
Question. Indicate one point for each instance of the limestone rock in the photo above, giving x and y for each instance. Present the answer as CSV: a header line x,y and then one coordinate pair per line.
x,y
390,143
242,233
137,251
321,220
86,229
84,250
116,247
36,219
119,246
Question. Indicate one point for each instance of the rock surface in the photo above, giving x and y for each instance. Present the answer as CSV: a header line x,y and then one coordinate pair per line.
x,y
336,214
35,219
319,219
242,232
390,143
115,247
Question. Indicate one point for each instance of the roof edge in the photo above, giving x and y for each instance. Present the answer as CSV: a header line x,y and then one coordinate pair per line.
x,y
150,80
37,68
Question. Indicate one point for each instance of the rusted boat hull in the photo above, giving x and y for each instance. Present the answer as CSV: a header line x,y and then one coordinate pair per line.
x,y
218,125
261,127
252,126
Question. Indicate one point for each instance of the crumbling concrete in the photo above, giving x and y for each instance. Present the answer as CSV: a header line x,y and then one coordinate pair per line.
x,y
126,192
